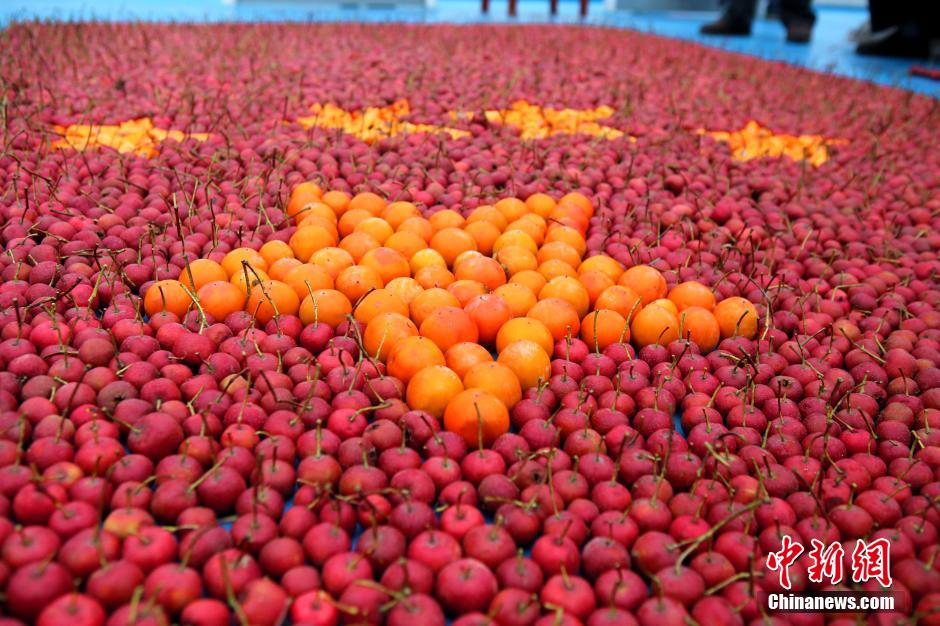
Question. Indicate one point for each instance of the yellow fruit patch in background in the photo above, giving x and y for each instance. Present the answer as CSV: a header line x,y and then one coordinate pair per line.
x,y
372,123
139,136
754,142
536,122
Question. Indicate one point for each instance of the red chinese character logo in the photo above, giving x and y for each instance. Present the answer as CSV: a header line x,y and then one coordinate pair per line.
x,y
825,562
872,561
784,558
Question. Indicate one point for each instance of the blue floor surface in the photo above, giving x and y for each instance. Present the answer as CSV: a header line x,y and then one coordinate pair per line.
x,y
830,50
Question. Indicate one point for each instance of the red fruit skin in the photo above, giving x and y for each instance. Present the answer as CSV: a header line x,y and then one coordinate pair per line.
x,y
653,551
684,585
662,611
854,328
342,570
316,608
205,612
521,573
324,540
554,553
382,545
610,616
150,547
300,580
435,549
239,568
416,609
466,585
620,588
715,611
114,584
515,607
929,607
147,616
30,544
280,555
602,554
32,587
491,545
409,573
558,618
368,602
173,587
264,602
72,608
571,593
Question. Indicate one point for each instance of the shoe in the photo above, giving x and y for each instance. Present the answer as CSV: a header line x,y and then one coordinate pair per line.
x,y
799,32
892,43
724,25
861,33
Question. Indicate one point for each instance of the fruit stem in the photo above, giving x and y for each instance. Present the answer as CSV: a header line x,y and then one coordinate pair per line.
x,y
698,541
721,585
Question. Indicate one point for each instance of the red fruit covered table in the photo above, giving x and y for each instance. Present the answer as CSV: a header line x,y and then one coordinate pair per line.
x,y
405,324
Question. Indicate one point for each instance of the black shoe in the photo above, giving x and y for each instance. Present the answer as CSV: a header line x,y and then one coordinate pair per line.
x,y
724,25
893,43
799,32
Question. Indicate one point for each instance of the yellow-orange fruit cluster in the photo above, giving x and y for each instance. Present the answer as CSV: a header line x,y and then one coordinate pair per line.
x,y
139,136
371,123
438,297
754,142
535,122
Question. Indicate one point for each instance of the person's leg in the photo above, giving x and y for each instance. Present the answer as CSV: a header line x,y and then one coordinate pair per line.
x,y
881,15
773,10
798,17
901,28
735,20
796,11
741,11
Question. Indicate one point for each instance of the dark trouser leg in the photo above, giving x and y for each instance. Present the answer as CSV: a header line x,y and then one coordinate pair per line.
x,y
921,16
907,28
880,14
797,12
741,11
735,19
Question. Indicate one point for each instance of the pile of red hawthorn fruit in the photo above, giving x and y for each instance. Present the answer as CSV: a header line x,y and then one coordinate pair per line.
x,y
133,490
